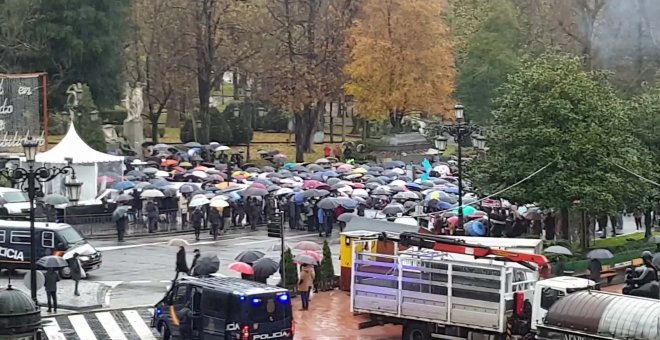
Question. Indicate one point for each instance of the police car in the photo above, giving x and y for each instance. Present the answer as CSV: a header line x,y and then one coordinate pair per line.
x,y
224,308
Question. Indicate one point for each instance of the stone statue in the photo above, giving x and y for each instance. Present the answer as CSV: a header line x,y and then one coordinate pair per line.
x,y
133,102
74,92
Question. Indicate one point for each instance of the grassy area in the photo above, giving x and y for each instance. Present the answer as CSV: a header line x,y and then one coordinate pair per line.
x,y
620,240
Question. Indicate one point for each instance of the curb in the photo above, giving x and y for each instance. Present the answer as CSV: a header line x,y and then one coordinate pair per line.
x,y
245,230
96,309
100,297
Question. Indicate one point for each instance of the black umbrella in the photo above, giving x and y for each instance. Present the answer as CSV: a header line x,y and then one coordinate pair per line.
x,y
265,267
393,209
206,265
328,203
249,256
254,192
120,212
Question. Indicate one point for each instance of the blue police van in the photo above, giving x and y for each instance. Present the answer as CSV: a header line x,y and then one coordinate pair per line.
x,y
222,308
57,239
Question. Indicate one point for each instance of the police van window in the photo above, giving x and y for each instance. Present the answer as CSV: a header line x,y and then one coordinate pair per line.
x,y
70,236
48,239
215,304
2,236
19,237
179,296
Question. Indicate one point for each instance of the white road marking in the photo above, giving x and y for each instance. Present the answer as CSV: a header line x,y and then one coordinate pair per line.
x,y
110,248
139,281
271,240
81,327
110,325
138,325
52,329
165,281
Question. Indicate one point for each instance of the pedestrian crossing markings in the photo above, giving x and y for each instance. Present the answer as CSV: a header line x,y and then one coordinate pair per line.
x,y
111,325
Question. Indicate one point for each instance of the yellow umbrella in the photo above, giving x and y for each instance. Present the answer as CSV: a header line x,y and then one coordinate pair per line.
x,y
223,185
241,173
435,195
359,171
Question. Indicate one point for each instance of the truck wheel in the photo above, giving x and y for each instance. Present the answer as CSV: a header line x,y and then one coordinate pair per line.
x,y
416,331
65,273
164,332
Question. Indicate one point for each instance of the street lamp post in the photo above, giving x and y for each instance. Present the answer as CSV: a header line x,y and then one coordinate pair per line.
x,y
32,176
460,130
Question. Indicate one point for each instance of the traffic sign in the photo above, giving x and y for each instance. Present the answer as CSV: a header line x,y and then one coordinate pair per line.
x,y
41,280
275,226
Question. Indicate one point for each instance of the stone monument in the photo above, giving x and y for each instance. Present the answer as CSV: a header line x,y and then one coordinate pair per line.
x,y
133,127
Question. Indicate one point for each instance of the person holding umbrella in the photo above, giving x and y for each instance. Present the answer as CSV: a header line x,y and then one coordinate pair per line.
x,y
50,284
152,215
305,284
193,265
181,262
120,216
77,272
197,219
215,221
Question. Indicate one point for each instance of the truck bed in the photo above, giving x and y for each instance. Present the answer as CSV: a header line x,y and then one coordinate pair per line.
x,y
447,292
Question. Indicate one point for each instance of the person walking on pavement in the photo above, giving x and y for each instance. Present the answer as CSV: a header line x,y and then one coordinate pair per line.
x,y
121,225
253,209
50,284
197,219
152,216
194,261
77,272
183,209
305,284
238,213
181,262
214,220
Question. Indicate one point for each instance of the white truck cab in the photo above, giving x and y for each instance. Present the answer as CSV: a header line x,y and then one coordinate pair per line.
x,y
549,291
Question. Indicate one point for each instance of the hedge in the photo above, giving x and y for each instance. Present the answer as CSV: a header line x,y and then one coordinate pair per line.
x,y
583,265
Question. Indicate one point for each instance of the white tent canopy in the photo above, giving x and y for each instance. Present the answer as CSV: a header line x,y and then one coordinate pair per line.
x,y
72,146
88,163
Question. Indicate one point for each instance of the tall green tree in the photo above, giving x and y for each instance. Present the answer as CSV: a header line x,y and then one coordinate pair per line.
x,y
554,111
78,41
88,122
491,55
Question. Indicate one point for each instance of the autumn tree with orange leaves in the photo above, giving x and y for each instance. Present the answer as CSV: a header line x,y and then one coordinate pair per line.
x,y
402,60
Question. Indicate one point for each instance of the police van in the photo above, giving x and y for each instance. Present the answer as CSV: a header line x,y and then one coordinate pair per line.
x,y
220,308
57,239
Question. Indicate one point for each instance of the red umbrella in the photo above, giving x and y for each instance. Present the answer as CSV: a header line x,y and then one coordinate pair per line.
x,y
357,185
179,169
453,220
107,179
242,268
169,162
313,254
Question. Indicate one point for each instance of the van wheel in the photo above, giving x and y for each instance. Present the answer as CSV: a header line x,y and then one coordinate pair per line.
x,y
164,332
416,331
65,273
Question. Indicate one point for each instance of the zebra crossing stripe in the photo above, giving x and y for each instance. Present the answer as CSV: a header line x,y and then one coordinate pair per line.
x,y
52,329
82,327
110,325
138,324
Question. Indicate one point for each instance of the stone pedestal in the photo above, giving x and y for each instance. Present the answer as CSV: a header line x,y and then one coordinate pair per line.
x,y
134,134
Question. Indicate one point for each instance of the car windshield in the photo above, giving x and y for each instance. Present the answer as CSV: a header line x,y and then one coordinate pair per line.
x,y
15,196
70,236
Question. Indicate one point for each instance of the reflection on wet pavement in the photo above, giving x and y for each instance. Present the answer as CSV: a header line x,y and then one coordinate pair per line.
x,y
329,318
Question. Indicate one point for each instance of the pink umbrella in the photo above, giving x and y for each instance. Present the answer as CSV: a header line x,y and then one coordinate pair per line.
x,y
357,185
311,184
200,168
258,185
453,220
242,268
106,179
345,167
313,254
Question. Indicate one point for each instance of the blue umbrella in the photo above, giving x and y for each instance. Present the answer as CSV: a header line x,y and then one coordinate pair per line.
x,y
298,198
160,183
263,181
142,185
475,228
123,185
347,202
444,205
290,165
413,186
451,190
318,176
330,174
234,196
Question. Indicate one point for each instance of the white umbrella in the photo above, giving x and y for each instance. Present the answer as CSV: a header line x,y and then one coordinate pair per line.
x,y
322,160
198,202
152,193
162,173
200,174
198,196
360,193
283,191
219,204
219,198
177,242
222,148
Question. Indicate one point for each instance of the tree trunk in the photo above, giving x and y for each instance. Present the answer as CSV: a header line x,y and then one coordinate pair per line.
x,y
204,92
305,126
396,117
155,136
357,122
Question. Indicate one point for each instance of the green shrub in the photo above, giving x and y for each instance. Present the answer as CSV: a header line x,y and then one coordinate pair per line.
x,y
58,124
327,268
88,123
291,277
115,117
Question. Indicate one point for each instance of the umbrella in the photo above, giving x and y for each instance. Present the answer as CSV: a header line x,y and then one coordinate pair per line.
x,y
52,262
198,202
161,147
305,259
120,212
152,194
124,198
328,203
308,245
315,255
534,215
467,210
123,185
278,247
346,217
106,179
161,173
206,265
150,171
193,145
254,191
360,193
222,148
55,199
283,191
347,203
322,160
186,189
381,191
559,250
249,256
178,242
393,209
242,268
219,203
406,195
185,165
599,254
265,267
